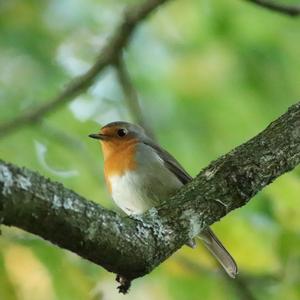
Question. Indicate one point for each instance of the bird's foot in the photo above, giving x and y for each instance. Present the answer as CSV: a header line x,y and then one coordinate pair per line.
x,y
124,284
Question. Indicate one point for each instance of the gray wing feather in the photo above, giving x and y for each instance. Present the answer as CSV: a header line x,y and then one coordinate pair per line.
x,y
210,240
171,163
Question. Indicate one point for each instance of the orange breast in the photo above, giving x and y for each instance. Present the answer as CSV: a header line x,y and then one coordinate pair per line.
x,y
118,158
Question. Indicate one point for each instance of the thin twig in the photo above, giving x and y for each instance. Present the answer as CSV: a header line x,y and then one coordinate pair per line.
x,y
290,10
132,17
107,55
131,96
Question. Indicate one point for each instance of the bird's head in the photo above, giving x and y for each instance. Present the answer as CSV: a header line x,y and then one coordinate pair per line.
x,y
116,136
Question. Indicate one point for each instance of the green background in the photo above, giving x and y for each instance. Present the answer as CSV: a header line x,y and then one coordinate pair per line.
x,y
210,75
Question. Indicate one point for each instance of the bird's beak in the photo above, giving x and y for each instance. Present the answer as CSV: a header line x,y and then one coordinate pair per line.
x,y
98,136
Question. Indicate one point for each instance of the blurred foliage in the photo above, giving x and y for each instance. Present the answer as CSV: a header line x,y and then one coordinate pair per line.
x,y
210,75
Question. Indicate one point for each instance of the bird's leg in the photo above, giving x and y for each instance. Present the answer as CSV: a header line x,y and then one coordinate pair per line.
x,y
124,284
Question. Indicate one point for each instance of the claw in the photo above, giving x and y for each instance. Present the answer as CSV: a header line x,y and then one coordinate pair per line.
x,y
124,284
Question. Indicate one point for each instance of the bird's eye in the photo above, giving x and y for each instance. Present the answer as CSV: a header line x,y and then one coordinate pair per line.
x,y
121,132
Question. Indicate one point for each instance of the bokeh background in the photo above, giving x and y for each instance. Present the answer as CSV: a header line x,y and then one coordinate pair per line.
x,y
210,74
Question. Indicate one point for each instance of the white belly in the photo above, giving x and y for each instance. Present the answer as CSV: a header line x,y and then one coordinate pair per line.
x,y
147,186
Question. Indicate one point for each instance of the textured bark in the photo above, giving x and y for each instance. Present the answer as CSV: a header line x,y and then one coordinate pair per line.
x,y
134,246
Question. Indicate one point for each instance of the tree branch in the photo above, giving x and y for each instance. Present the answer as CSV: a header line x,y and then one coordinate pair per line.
x,y
131,96
134,246
290,10
119,39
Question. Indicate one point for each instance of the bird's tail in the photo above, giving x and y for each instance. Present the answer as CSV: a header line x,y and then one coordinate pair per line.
x,y
213,244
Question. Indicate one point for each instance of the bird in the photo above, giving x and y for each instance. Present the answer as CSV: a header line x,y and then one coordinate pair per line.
x,y
140,174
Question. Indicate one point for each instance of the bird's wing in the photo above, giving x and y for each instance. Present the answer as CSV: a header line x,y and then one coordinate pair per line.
x,y
209,238
171,163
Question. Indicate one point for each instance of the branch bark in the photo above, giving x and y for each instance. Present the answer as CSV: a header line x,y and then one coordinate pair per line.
x,y
134,246
290,10
119,39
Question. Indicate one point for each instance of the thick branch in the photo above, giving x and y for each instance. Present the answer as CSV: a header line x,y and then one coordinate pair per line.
x,y
290,10
134,246
119,39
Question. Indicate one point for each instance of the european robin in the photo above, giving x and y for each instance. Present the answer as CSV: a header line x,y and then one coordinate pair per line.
x,y
140,174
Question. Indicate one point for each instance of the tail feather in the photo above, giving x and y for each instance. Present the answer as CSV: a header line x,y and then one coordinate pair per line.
x,y
214,245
